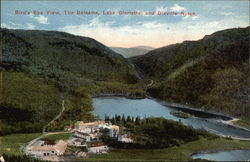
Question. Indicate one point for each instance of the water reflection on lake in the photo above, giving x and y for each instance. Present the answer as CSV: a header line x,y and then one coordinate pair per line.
x,y
112,106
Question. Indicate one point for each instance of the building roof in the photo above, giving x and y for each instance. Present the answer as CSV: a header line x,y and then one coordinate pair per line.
x,y
109,126
90,123
59,147
94,135
96,144
116,127
42,148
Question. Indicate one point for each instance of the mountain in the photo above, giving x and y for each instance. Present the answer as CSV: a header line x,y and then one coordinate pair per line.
x,y
211,73
46,73
54,53
133,51
41,69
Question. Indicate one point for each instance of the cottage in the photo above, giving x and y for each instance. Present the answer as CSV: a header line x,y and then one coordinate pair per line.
x,y
95,136
89,127
48,150
87,136
78,142
97,148
82,135
113,129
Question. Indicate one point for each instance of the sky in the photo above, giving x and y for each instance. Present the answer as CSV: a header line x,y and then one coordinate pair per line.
x,y
205,17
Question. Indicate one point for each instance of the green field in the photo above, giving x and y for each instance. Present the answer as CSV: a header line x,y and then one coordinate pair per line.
x,y
10,144
182,152
56,137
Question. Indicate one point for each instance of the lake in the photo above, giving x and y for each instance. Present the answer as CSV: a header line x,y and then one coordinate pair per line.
x,y
112,106
232,155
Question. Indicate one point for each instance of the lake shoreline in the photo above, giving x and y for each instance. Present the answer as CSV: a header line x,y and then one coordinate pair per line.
x,y
204,153
195,109
184,108
119,95
171,105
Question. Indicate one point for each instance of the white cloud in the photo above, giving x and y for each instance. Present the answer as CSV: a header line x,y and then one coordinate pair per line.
x,y
226,13
30,26
156,11
40,19
150,33
161,9
153,25
12,25
4,25
191,17
177,8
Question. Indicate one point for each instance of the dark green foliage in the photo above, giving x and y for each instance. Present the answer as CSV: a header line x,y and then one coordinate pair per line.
x,y
67,60
163,61
216,85
154,133
212,73
56,66
77,108
27,103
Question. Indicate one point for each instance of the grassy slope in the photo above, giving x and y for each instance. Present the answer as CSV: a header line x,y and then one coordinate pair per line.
x,y
173,153
58,136
28,103
45,67
211,73
10,144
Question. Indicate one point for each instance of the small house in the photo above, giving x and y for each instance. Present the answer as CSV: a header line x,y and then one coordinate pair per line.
x,y
113,129
89,127
48,150
78,142
97,148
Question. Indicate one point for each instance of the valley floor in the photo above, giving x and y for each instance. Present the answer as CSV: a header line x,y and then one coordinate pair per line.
x,y
182,152
14,143
11,144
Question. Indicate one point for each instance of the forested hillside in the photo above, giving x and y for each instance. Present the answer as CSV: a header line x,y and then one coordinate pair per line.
x,y
211,73
43,68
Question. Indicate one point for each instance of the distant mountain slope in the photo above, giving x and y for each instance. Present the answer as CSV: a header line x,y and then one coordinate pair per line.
x,y
134,51
162,61
69,67
212,73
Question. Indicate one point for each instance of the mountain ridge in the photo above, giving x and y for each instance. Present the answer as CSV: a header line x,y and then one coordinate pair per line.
x,y
197,73
211,73
69,67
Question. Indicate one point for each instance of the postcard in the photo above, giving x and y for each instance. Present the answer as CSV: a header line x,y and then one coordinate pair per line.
x,y
124,80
